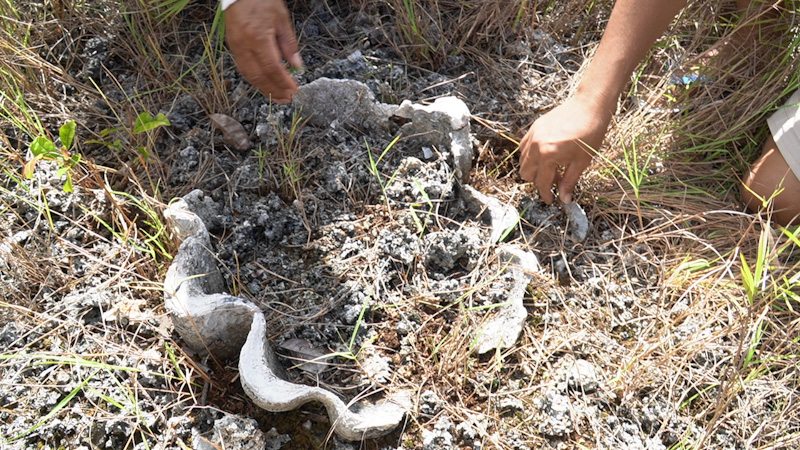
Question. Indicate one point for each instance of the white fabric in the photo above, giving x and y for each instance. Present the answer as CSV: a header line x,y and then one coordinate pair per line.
x,y
785,127
226,3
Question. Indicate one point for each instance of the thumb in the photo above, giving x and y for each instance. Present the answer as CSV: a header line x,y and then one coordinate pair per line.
x,y
567,185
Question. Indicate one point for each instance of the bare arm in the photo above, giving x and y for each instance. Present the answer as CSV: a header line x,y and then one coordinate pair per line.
x,y
567,135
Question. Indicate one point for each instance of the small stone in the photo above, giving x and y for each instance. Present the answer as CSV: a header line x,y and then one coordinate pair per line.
x,y
556,415
332,103
430,403
582,377
234,433
441,438
443,124
503,329
510,405
578,222
503,218
276,440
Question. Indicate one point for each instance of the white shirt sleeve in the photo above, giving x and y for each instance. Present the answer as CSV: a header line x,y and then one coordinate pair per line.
x,y
226,3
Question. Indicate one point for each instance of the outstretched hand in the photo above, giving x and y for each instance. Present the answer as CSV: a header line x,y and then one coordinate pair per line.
x,y
260,36
567,138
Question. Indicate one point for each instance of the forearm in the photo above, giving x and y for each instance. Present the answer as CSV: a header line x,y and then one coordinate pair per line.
x,y
632,29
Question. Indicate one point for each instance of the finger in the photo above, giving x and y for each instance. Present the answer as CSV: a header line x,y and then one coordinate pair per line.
x,y
259,77
529,158
567,184
545,176
287,42
271,74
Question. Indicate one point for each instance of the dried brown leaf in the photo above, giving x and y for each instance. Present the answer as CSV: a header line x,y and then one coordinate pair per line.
x,y
233,132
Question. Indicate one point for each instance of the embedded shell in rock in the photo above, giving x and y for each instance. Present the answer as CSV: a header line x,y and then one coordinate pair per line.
x,y
220,324
211,321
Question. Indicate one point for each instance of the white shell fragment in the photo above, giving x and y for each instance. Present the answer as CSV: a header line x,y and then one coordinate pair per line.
x,y
578,222
212,322
503,329
502,217
257,370
443,124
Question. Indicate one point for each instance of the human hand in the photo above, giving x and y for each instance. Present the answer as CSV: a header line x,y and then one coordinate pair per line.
x,y
260,36
565,137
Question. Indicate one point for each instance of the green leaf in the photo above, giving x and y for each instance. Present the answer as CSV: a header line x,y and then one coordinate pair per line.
x,y
67,133
143,152
43,147
146,122
747,279
68,184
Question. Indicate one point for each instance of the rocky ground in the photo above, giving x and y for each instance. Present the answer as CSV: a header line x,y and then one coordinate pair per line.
x,y
376,269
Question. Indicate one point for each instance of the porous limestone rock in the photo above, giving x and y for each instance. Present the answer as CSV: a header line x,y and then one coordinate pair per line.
x,y
328,102
231,432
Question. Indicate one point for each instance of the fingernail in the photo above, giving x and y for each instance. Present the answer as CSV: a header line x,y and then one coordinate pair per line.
x,y
566,198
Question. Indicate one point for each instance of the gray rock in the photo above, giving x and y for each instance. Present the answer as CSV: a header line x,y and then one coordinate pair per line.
x,y
377,368
472,430
441,437
556,415
332,103
205,207
276,440
231,433
399,244
425,185
510,405
429,403
445,249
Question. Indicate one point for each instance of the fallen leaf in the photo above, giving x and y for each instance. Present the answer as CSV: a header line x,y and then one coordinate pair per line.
x,y
232,131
